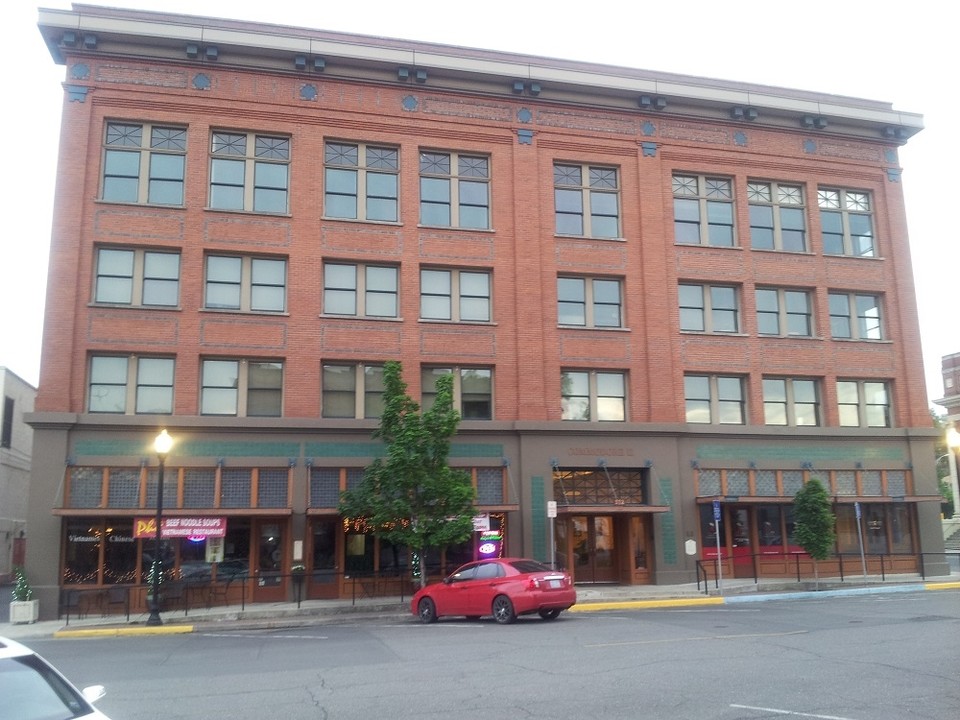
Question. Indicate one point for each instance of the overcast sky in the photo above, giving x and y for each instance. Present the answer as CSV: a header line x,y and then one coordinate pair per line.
x,y
898,52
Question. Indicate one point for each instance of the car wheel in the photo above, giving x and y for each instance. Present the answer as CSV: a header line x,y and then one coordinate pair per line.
x,y
427,610
550,614
503,610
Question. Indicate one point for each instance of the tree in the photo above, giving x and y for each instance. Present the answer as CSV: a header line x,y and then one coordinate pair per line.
x,y
814,522
412,496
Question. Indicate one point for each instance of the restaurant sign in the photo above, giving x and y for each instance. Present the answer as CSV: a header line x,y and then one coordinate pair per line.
x,y
179,527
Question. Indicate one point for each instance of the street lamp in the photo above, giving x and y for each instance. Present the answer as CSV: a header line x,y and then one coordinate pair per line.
x,y
161,446
953,447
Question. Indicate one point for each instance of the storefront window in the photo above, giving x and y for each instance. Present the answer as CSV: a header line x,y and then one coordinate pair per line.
x,y
708,532
119,553
847,539
901,528
359,551
770,531
394,559
82,554
236,550
324,560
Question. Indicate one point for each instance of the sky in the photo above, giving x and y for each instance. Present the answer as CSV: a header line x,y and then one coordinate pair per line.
x,y
902,53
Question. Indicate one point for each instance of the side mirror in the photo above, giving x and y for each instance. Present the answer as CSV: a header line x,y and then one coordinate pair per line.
x,y
447,580
93,693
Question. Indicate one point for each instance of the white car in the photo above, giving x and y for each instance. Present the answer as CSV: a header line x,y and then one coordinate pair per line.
x,y
32,689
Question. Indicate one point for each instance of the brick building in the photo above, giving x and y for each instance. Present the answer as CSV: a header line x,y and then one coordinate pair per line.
x,y
654,292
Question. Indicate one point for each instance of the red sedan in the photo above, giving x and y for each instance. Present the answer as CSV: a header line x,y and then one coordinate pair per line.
x,y
504,588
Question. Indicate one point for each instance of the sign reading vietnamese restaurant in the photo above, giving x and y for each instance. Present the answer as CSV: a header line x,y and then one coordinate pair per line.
x,y
176,527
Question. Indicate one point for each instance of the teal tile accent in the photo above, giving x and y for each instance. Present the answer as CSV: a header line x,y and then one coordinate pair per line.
x,y
186,448
355,449
476,450
668,521
538,519
800,453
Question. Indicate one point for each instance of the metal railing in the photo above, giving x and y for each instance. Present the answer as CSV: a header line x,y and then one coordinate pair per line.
x,y
842,561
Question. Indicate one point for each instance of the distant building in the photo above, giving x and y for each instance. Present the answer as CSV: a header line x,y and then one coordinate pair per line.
x,y
950,366
653,291
16,444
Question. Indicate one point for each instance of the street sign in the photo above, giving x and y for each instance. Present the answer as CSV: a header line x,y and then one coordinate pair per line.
x,y
716,509
551,508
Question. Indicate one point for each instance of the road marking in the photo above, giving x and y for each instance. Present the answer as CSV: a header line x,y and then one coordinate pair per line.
x,y
698,639
262,636
790,712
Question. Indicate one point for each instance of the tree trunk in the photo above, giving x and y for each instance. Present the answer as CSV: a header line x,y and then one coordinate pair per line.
x,y
423,569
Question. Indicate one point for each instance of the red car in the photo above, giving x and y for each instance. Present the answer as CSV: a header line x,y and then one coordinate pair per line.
x,y
504,588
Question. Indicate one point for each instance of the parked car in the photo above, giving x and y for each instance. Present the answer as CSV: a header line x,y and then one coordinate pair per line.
x,y
504,588
32,689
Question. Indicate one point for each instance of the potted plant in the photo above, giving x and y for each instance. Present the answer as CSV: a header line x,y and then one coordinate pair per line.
x,y
23,607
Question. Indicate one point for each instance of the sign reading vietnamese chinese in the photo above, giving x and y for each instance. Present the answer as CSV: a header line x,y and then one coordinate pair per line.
x,y
177,527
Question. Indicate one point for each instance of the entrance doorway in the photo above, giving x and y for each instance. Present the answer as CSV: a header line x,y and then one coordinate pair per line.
x,y
594,549
268,553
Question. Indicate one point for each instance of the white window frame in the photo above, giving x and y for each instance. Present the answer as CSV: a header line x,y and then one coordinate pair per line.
x,y
793,403
860,401
783,201
248,282
785,311
724,393
708,204
366,388
591,391
849,208
466,180
856,317
137,385
142,278
240,385
371,167
161,157
455,288
261,155
372,291
462,390
581,300
709,309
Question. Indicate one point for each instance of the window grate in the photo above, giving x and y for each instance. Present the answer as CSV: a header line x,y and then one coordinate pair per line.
x,y
272,488
86,487
489,486
324,487
235,488
124,488
199,488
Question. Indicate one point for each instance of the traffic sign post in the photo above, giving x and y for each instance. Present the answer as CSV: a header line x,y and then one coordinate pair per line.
x,y
863,559
716,532
551,515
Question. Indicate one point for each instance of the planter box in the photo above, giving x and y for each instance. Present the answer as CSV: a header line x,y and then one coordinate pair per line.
x,y
24,611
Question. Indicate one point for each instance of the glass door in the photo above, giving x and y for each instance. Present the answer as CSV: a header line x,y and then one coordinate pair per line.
x,y
268,583
594,549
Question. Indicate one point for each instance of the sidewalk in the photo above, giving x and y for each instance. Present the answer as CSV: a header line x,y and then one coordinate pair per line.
x,y
591,598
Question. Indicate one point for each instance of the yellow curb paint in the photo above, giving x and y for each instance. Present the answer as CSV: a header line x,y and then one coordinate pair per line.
x,y
639,604
120,632
942,586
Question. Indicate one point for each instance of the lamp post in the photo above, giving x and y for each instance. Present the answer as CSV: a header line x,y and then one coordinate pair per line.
x,y
953,448
161,446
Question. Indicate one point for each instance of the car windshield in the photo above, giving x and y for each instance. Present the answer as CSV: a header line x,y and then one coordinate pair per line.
x,y
31,690
529,566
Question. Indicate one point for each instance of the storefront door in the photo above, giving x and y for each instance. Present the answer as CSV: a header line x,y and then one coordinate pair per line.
x,y
741,540
594,549
268,585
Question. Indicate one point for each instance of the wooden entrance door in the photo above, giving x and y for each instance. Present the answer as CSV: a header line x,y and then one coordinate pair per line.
x,y
594,550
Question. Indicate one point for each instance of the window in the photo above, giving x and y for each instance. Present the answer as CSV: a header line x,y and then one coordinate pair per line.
x,y
589,302
242,388
863,403
130,385
458,295
360,182
587,200
249,172
593,395
703,210
6,432
791,401
846,222
137,277
855,316
352,390
714,399
709,308
777,217
144,164
454,190
784,312
246,284
472,390
360,290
